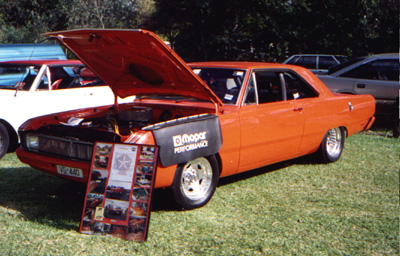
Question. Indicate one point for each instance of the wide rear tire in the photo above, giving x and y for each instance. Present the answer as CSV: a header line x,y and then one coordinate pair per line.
x,y
332,145
195,182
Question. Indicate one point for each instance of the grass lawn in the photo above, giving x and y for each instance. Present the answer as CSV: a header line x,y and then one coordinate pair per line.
x,y
350,207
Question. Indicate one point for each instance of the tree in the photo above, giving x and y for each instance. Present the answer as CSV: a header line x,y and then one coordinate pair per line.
x,y
24,21
272,30
109,13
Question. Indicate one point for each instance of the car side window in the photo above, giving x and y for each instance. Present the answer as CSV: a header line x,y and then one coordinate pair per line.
x,y
376,70
297,88
274,86
250,97
309,62
326,61
268,87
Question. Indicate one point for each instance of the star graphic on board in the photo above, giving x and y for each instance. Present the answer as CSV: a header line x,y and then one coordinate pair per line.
x,y
123,162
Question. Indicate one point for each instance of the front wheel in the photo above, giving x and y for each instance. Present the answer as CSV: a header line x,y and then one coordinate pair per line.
x,y
332,145
4,140
195,182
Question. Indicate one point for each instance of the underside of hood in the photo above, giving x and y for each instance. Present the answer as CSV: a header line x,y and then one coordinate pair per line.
x,y
134,62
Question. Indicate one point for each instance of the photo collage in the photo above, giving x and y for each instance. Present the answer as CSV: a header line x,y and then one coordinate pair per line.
x,y
119,191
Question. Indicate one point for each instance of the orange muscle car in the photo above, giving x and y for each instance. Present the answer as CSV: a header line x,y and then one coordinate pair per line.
x,y
210,119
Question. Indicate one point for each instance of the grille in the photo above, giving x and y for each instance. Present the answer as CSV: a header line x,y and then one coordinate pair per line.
x,y
65,147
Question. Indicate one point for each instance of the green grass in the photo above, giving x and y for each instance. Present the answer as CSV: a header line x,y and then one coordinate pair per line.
x,y
350,207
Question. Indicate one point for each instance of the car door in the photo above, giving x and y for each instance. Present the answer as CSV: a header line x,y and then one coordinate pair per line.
x,y
380,78
271,120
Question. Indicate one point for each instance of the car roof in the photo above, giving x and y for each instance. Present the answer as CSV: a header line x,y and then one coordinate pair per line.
x,y
238,65
384,56
316,54
43,62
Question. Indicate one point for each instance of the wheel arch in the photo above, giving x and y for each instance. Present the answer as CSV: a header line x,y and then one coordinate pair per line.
x,y
346,132
219,162
13,136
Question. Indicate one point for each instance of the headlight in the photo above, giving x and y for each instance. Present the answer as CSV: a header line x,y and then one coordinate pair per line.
x,y
32,141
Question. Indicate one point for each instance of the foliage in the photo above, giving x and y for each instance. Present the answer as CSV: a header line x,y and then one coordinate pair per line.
x,y
349,207
272,30
263,30
24,21
108,14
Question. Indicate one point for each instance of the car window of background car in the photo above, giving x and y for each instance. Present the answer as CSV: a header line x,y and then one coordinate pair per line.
x,y
309,62
326,61
341,59
11,74
376,70
333,69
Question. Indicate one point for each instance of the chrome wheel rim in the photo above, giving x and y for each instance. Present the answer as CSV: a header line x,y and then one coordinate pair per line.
x,y
196,178
334,142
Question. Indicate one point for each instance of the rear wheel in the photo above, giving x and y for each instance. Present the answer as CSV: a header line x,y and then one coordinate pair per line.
x,y
195,182
332,145
4,140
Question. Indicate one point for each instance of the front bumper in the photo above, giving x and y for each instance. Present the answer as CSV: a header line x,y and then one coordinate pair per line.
x,y
49,164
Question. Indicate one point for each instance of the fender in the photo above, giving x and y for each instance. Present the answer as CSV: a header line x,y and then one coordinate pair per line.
x,y
184,139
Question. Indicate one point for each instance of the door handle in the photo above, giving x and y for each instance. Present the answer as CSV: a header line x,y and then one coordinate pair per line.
x,y
360,85
297,109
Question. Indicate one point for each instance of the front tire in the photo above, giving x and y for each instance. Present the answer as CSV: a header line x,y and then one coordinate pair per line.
x,y
332,145
4,140
195,182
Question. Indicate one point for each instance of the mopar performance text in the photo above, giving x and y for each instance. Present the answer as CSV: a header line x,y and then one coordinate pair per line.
x,y
188,142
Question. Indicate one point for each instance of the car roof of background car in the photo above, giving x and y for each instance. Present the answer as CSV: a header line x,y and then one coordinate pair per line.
x,y
239,65
134,62
43,62
385,56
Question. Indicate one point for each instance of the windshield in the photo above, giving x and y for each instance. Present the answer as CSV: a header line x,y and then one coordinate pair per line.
x,y
225,83
22,76
11,74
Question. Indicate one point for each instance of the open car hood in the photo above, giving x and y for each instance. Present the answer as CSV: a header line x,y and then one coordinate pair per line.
x,y
134,62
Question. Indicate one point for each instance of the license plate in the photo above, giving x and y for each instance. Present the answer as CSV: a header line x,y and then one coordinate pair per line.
x,y
69,171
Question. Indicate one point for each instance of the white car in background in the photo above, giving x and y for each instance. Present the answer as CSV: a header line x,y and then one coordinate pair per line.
x,y
39,87
317,63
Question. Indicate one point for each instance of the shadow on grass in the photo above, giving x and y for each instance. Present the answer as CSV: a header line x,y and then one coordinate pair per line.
x,y
52,201
42,198
163,200
266,169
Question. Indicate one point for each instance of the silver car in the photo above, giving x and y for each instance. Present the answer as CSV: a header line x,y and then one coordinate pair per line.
x,y
377,75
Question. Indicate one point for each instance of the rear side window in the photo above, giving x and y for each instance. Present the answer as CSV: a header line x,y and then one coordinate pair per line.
x,y
309,62
376,70
293,60
326,61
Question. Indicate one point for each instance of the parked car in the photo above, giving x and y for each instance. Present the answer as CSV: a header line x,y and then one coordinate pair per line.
x,y
377,75
13,52
317,63
34,88
210,119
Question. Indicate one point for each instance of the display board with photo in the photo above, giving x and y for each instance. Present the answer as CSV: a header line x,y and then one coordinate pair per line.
x,y
118,196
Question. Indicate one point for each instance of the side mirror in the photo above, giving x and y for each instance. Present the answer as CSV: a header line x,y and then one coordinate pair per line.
x,y
19,85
